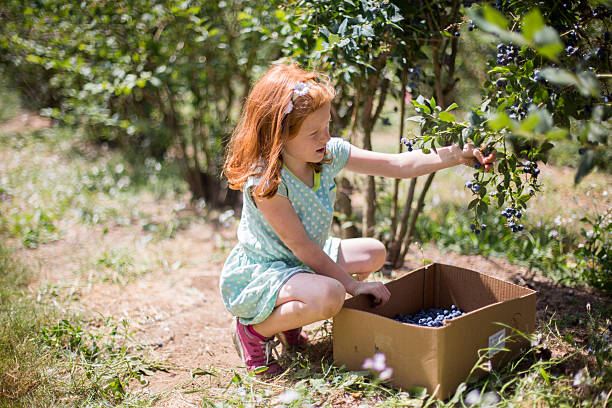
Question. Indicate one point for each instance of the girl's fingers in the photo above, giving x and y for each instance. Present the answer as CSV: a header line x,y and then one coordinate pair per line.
x,y
479,156
491,157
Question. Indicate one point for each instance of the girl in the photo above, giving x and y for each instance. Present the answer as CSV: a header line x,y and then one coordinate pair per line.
x,y
286,271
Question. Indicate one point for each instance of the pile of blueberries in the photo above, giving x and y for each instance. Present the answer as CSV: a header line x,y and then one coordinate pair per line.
x,y
430,317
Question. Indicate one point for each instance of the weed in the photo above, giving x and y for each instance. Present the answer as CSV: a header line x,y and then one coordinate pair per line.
x,y
117,265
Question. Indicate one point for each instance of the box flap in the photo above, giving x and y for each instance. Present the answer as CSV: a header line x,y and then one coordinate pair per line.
x,y
471,290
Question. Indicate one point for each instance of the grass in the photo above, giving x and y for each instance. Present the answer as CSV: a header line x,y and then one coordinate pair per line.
x,y
52,353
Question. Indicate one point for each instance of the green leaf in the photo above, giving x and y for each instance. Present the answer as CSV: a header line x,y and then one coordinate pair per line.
x,y
530,122
342,28
547,42
494,17
367,31
333,39
550,51
531,23
451,107
545,375
556,134
417,392
499,121
558,76
397,16
418,119
585,82
447,117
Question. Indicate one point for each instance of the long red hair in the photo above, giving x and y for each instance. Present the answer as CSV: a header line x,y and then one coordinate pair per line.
x,y
265,127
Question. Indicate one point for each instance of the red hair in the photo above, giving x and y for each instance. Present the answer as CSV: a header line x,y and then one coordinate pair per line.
x,y
265,127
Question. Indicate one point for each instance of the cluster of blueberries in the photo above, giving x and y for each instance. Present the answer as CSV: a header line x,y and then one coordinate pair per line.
x,y
471,27
475,187
531,168
513,215
433,317
408,143
506,54
518,111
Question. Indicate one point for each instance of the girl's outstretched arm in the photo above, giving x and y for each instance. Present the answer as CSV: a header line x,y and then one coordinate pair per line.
x,y
415,163
279,212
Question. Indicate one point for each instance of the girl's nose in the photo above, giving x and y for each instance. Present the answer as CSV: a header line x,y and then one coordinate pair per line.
x,y
326,137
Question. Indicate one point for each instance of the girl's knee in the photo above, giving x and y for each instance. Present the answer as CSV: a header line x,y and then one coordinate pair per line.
x,y
331,298
378,254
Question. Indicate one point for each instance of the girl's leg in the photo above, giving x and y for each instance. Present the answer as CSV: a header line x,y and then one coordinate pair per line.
x,y
305,298
361,256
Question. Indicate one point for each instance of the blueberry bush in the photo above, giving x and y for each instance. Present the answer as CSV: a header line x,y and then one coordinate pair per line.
x,y
158,80
164,80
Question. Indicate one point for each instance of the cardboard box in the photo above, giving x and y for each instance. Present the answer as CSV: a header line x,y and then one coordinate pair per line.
x,y
438,358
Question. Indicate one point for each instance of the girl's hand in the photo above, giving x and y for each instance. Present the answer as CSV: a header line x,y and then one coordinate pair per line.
x,y
377,290
471,155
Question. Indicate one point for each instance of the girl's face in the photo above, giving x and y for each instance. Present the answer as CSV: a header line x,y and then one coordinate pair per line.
x,y
309,143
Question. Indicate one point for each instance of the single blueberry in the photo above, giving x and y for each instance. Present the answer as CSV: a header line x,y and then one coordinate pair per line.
x,y
477,166
468,184
476,187
483,227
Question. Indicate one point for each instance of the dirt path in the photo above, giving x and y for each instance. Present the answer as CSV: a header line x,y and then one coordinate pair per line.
x,y
178,309
175,305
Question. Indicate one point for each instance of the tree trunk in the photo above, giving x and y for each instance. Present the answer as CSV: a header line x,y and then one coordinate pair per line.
x,y
370,198
417,212
396,182
396,245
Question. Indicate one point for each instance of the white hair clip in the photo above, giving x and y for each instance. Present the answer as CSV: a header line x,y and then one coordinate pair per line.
x,y
300,89
289,108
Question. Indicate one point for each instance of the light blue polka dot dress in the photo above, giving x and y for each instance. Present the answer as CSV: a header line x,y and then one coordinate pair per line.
x,y
260,264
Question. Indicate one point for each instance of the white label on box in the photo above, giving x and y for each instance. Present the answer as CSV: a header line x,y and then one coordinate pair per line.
x,y
497,341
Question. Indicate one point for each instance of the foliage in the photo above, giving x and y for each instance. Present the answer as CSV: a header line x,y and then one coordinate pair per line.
x,y
157,78
529,103
595,252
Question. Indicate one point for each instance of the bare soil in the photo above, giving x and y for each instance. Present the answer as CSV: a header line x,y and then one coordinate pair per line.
x,y
176,307
180,314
